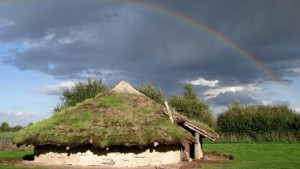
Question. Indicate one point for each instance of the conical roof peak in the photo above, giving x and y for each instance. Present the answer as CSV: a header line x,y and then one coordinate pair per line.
x,y
125,87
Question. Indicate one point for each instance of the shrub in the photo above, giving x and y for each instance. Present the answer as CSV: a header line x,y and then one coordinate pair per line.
x,y
152,92
261,123
81,91
189,105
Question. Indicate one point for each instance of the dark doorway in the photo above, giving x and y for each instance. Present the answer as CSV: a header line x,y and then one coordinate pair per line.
x,y
192,150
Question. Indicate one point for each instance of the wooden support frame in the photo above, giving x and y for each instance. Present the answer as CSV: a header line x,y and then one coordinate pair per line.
x,y
198,147
197,130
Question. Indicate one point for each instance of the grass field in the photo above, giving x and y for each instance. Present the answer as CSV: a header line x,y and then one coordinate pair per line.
x,y
256,155
15,155
246,156
7,134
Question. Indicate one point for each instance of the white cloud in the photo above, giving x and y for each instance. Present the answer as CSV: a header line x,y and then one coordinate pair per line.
x,y
203,82
21,115
39,43
274,103
5,23
297,109
55,89
19,118
52,39
65,40
294,70
6,114
212,93
49,37
266,102
96,72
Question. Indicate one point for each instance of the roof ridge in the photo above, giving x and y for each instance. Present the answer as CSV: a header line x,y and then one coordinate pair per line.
x,y
125,87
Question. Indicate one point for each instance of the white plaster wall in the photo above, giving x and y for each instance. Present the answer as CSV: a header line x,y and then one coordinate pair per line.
x,y
114,159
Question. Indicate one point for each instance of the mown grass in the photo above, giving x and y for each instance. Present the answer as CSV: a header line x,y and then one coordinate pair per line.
x,y
256,155
15,154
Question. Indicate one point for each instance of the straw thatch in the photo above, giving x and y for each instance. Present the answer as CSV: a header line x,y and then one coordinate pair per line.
x,y
121,116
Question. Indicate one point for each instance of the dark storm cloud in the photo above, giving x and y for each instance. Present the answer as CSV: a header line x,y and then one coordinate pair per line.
x,y
125,39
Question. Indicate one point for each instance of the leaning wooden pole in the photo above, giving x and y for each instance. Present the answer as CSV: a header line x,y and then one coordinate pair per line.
x,y
169,112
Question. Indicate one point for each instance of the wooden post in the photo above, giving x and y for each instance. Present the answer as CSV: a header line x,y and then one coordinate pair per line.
x,y
198,151
186,151
201,146
170,114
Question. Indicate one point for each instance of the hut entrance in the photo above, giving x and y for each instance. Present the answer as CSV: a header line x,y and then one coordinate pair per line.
x,y
196,147
193,150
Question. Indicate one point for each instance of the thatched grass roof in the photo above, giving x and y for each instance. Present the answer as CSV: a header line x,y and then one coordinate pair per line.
x,y
110,119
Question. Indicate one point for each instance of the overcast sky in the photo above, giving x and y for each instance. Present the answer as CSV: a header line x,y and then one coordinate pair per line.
x,y
228,50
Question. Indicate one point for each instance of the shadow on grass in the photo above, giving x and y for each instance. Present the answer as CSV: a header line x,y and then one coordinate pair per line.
x,y
28,157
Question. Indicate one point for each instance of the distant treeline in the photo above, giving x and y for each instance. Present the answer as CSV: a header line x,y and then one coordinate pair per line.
x,y
259,123
6,128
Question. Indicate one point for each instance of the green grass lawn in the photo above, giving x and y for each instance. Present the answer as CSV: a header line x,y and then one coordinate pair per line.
x,y
13,155
7,134
17,154
256,155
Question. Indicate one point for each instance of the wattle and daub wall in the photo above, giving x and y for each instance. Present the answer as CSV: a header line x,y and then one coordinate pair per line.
x,y
119,156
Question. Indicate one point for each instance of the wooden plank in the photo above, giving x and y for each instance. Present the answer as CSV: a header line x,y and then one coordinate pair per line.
x,y
203,133
170,114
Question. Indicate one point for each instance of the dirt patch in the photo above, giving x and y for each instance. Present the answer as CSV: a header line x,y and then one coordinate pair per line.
x,y
31,164
209,158
217,157
182,165
10,162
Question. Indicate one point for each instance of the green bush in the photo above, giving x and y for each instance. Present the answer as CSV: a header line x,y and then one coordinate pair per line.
x,y
190,106
152,92
260,123
80,92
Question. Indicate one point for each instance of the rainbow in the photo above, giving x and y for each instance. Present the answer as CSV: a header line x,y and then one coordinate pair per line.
x,y
202,27
198,25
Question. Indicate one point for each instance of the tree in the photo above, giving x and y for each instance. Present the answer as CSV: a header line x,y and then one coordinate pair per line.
x,y
16,128
190,106
152,92
29,124
4,127
81,91
189,92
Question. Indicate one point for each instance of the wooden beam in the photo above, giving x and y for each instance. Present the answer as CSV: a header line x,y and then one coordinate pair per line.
x,y
197,150
186,151
203,133
170,114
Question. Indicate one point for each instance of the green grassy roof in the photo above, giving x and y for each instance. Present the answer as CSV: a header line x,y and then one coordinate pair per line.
x,y
109,119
